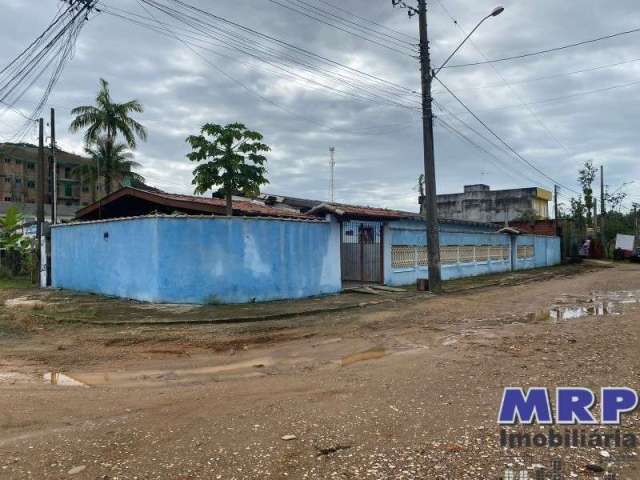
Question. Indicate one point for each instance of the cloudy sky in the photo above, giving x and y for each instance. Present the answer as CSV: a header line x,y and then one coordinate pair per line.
x,y
557,110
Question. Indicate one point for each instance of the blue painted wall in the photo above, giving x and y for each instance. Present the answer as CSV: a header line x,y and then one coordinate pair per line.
x,y
547,251
198,260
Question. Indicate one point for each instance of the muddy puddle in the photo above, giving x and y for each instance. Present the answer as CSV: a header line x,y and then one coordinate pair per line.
x,y
57,378
599,304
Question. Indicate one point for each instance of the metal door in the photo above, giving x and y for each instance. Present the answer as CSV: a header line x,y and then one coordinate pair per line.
x,y
361,251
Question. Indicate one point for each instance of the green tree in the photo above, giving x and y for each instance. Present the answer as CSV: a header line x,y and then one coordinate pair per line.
x,y
108,119
586,177
12,241
232,159
113,162
578,209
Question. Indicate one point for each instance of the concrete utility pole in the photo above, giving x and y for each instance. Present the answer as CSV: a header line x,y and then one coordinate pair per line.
x,y
556,212
430,201
54,171
40,193
602,210
332,166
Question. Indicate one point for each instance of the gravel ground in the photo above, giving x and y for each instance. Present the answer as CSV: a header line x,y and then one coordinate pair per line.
x,y
404,390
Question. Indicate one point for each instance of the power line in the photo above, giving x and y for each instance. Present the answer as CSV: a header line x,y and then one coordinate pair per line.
x,y
363,37
564,97
285,44
367,30
372,22
519,81
258,56
507,145
230,77
488,141
535,116
548,50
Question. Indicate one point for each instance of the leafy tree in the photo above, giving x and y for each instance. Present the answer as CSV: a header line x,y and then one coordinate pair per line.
x,y
578,209
586,177
108,119
114,162
12,241
615,200
234,160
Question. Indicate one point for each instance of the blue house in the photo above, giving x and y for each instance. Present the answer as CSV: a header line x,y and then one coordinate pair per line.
x,y
160,247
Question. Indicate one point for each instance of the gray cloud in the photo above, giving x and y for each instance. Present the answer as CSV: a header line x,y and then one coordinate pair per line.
x,y
378,146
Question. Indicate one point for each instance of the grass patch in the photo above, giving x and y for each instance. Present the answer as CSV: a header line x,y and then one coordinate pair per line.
x,y
16,283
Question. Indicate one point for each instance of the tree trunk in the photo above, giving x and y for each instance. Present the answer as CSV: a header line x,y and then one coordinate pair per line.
x,y
227,196
108,166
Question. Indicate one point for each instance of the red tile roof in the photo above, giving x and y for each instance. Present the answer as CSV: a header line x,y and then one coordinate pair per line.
x,y
344,210
243,207
188,203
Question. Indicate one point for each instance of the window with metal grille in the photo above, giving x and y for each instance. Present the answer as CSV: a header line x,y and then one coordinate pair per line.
x,y
526,251
467,253
403,256
482,253
449,255
422,256
495,253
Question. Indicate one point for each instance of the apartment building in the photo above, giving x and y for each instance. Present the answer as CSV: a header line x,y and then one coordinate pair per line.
x,y
18,181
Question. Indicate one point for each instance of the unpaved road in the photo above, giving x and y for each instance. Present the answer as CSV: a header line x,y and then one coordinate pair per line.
x,y
397,391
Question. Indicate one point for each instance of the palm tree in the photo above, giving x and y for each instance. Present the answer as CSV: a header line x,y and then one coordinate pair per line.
x,y
106,120
110,161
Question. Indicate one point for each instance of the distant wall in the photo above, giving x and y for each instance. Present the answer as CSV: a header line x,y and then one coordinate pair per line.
x,y
198,260
463,254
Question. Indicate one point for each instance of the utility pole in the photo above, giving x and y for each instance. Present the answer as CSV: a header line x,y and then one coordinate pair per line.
x,y
427,74
54,174
40,197
556,213
602,210
430,206
332,166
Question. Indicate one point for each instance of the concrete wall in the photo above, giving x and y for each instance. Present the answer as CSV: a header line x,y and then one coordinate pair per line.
x,y
546,252
198,260
484,205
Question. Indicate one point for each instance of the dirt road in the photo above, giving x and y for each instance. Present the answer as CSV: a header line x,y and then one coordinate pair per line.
x,y
401,390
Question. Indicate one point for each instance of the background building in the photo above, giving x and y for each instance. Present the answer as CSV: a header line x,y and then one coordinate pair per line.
x,y
479,203
18,181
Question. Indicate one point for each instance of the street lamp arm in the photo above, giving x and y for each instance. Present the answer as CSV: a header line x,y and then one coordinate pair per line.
x,y
497,11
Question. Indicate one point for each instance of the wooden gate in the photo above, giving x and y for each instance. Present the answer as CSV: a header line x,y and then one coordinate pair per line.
x,y
362,251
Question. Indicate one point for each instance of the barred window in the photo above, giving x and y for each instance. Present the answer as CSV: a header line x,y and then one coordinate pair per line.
x,y
495,253
526,251
467,253
422,256
482,253
449,255
403,256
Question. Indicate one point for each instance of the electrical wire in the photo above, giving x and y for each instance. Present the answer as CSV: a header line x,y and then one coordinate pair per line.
x,y
529,109
260,56
372,22
500,139
346,30
548,50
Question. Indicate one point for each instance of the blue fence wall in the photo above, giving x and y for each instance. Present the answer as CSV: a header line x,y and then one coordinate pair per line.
x,y
198,260
546,251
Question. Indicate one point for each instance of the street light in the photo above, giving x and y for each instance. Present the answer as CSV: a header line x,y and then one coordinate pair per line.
x,y
427,74
494,13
